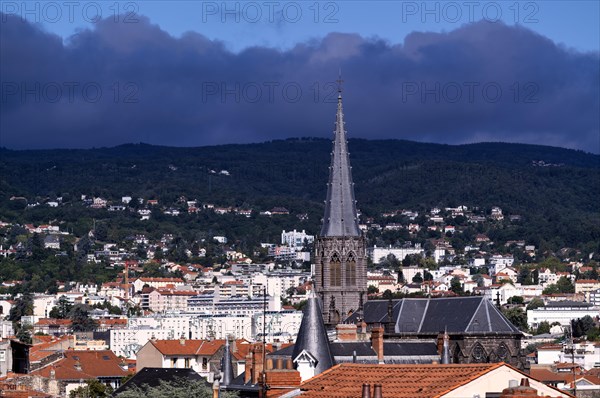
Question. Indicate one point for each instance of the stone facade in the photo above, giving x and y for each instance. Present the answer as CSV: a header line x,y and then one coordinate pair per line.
x,y
489,348
340,276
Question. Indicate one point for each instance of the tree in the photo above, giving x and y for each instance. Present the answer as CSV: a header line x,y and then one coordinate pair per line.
x,y
80,316
582,326
401,276
565,285
427,275
550,289
23,307
456,286
477,278
24,333
178,388
62,309
517,317
525,276
372,289
515,300
543,327
93,389
417,278
535,303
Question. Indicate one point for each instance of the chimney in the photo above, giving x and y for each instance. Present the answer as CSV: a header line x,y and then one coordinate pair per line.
x,y
366,391
377,342
257,362
377,393
215,388
289,364
346,332
361,330
248,368
521,391
182,339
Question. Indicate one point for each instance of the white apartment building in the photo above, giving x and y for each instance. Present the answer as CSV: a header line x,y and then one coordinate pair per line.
x,y
280,326
278,282
499,261
377,253
562,312
211,305
295,239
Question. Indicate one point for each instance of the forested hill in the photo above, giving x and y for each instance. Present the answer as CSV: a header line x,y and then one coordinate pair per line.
x,y
553,188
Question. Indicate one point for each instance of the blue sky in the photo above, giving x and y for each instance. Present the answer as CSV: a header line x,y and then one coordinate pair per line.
x,y
282,24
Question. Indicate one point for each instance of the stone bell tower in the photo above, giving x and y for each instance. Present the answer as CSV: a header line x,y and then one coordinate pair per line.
x,y
340,249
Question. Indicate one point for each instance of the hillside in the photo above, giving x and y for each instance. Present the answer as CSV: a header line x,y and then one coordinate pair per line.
x,y
555,190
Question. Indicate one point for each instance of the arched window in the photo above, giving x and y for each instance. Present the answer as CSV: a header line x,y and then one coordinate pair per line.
x,y
322,269
335,267
351,270
478,354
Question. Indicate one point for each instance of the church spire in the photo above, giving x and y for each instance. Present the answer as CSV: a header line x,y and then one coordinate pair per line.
x,y
312,336
340,206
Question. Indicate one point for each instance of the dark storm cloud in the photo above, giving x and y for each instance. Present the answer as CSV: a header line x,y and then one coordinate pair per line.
x,y
134,82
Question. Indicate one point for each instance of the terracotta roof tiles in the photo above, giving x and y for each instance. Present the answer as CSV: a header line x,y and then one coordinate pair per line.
x,y
409,381
84,365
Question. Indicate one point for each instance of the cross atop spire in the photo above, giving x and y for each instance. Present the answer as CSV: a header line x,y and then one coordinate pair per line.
x,y
339,82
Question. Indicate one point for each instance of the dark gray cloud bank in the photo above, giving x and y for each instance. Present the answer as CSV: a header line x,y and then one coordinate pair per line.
x,y
134,82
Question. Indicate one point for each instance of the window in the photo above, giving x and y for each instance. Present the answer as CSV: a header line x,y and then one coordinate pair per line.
x,y
335,267
173,362
204,363
187,363
351,271
2,355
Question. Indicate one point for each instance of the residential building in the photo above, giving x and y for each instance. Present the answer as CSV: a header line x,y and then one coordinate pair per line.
x,y
586,286
296,239
77,367
203,356
562,312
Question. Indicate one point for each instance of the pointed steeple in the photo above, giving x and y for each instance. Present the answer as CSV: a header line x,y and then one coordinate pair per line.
x,y
445,360
227,365
312,336
340,206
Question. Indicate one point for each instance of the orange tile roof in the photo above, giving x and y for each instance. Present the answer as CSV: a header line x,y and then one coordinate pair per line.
x,y
402,381
546,375
93,364
189,347
11,390
552,347
113,322
42,350
53,322
592,281
147,279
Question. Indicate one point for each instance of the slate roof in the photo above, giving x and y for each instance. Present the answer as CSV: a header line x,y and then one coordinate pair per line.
x,y
473,314
341,218
312,336
395,352
153,376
